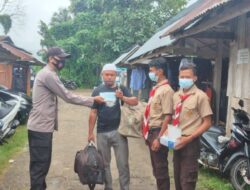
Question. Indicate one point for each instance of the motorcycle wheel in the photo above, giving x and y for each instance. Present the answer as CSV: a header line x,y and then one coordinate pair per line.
x,y
238,175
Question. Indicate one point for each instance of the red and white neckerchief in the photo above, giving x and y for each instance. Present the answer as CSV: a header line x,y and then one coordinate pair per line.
x,y
145,127
178,108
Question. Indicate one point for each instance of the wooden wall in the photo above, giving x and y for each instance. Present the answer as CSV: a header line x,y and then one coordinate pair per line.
x,y
239,74
6,75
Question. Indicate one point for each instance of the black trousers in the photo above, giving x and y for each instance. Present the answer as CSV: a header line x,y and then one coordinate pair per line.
x,y
186,166
40,146
159,161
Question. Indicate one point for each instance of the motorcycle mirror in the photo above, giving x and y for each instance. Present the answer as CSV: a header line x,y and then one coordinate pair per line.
x,y
241,103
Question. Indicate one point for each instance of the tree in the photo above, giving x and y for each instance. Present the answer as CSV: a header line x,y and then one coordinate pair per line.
x,y
10,11
6,22
63,15
98,31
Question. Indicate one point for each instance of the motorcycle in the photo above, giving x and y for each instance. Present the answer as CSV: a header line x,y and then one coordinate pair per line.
x,y
9,108
229,155
25,102
69,84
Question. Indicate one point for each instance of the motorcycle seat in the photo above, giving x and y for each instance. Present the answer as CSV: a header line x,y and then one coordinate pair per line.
x,y
5,109
217,129
212,139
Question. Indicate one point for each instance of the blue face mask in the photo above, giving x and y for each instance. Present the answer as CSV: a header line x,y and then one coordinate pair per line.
x,y
186,83
153,77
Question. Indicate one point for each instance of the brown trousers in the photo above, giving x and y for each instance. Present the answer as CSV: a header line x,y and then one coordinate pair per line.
x,y
159,161
186,166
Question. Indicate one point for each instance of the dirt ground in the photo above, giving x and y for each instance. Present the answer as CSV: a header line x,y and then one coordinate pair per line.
x,y
72,136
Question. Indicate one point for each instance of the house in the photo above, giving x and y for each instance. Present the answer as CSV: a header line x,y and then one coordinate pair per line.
x,y
224,26
214,33
15,66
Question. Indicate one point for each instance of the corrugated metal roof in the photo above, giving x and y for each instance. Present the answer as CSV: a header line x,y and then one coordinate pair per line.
x,y
154,42
157,41
22,55
204,7
6,38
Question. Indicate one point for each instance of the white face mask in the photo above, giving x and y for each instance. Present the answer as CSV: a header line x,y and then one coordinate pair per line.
x,y
153,77
186,83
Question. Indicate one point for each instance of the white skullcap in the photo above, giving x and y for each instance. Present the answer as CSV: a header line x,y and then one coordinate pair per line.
x,y
109,67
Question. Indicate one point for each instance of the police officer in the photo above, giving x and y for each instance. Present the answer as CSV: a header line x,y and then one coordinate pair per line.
x,y
43,120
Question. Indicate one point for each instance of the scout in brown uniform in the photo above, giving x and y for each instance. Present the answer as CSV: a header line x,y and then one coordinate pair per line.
x,y
160,113
194,119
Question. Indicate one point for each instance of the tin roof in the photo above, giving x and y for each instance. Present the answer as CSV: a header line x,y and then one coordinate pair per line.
x,y
21,54
157,41
125,56
204,7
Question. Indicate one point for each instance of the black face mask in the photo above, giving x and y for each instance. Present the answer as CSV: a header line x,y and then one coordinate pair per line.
x,y
60,64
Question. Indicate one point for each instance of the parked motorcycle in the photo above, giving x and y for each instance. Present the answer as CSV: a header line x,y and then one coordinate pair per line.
x,y
25,101
229,155
9,109
69,84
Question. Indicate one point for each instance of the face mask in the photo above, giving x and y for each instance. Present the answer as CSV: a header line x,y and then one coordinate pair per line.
x,y
186,83
60,64
153,77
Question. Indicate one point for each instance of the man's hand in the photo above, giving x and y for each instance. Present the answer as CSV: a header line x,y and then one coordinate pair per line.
x,y
91,137
182,142
119,94
156,145
99,99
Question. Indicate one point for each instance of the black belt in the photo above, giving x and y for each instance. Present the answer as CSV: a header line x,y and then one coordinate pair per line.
x,y
154,129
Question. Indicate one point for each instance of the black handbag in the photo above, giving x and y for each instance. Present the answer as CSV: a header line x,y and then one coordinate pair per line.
x,y
89,166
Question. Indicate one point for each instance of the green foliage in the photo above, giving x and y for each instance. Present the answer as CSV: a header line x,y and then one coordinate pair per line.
x,y
211,180
6,22
11,13
47,38
98,31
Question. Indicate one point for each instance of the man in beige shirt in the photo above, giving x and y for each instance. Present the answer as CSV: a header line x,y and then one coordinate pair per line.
x,y
160,113
43,116
193,119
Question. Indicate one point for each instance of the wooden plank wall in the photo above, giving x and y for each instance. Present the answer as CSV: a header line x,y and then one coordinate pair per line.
x,y
239,74
6,75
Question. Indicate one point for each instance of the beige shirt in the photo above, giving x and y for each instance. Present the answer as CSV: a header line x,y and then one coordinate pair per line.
x,y
161,105
194,109
47,86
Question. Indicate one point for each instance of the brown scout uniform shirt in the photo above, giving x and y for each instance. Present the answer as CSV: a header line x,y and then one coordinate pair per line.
x,y
161,105
194,108
47,86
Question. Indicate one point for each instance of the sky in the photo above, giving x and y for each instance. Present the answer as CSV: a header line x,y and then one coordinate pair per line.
x,y
25,34
191,2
